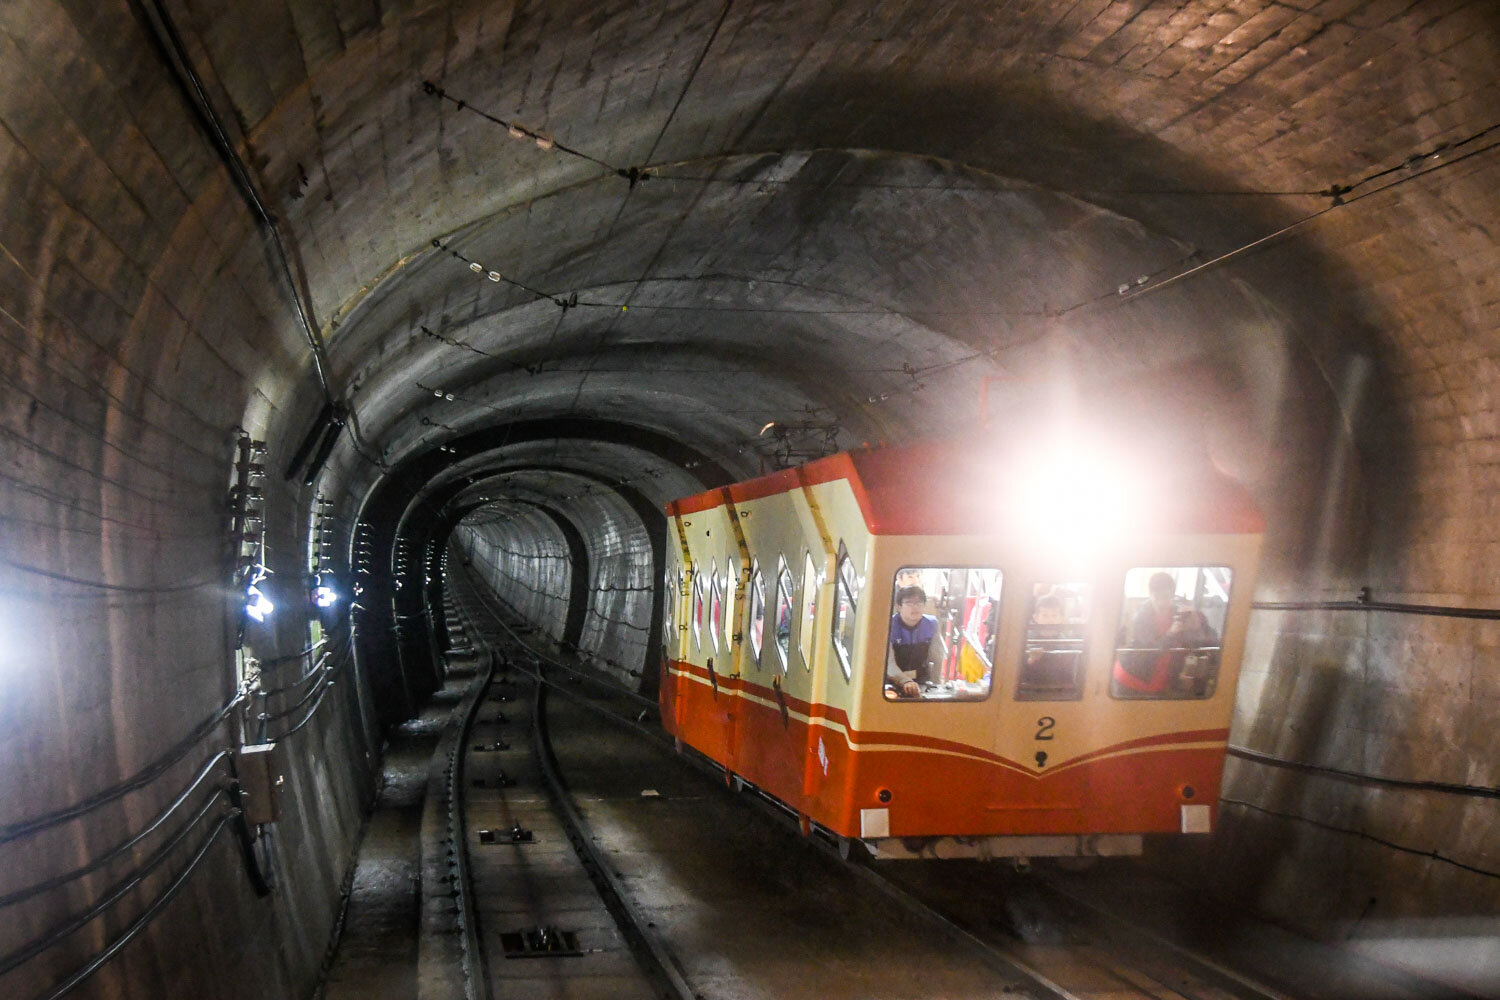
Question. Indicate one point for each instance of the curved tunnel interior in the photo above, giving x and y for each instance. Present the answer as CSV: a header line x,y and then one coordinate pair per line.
x,y
500,280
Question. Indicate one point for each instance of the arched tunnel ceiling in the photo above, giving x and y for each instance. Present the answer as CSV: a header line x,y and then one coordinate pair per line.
x,y
846,219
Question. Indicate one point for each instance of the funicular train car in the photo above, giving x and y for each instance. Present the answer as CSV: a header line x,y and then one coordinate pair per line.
x,y
945,651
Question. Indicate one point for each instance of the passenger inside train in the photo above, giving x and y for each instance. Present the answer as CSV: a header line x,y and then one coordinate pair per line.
x,y
1052,661
916,650
942,634
1170,647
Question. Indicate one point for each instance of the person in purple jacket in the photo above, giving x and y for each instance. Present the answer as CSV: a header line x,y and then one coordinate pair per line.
x,y
915,650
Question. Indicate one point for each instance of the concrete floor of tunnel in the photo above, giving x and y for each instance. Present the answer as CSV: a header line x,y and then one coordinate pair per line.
x,y
377,950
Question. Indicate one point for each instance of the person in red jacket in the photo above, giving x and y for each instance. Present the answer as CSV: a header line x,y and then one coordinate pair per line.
x,y
1159,634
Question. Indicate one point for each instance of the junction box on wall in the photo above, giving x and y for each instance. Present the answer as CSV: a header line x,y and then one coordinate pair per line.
x,y
260,768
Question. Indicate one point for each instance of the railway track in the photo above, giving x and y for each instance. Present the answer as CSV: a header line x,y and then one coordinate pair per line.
x,y
916,932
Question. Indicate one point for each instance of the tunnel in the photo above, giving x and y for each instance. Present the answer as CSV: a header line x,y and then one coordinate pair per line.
x,y
308,303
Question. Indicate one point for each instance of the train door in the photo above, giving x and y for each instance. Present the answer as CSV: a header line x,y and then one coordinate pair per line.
x,y
1046,697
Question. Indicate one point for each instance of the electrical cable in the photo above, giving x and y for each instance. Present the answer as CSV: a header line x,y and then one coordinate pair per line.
x,y
1339,201
70,983
147,774
1434,854
1359,778
162,31
100,585
46,939
21,895
517,130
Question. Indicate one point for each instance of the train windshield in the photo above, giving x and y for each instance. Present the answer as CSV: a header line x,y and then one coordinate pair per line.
x,y
1171,628
942,633
1053,656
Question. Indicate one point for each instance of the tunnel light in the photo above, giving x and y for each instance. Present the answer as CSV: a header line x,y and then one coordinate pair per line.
x,y
257,606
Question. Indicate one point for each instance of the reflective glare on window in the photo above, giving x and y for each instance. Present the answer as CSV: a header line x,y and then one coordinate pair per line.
x,y
698,610
757,612
668,602
846,591
941,643
731,580
1053,656
716,604
809,609
1171,626
784,590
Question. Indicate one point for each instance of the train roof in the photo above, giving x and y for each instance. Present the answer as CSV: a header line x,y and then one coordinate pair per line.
x,y
957,488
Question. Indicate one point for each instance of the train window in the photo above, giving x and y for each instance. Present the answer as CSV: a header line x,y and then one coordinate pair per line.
x,y
846,596
784,590
698,610
809,609
731,581
757,611
1171,629
668,602
1053,656
716,603
941,643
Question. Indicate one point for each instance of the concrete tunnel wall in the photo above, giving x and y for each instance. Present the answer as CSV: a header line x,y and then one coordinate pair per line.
x,y
527,565
526,560
142,330
144,326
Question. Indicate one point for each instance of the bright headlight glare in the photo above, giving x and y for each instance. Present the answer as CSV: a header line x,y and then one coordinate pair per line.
x,y
325,596
1076,496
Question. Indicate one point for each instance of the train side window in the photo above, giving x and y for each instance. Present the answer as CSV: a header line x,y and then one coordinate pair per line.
x,y
809,609
1053,656
1171,632
731,581
941,644
668,603
846,597
784,591
698,610
757,611
716,603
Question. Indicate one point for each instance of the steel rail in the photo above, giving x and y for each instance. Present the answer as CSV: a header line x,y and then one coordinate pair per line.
x,y
476,965
587,678
988,954
650,950
1214,973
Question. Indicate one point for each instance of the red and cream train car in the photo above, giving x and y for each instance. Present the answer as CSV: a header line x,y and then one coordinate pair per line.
x,y
959,652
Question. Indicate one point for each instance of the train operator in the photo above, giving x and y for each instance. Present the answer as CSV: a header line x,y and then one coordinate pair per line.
x,y
1159,628
916,650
